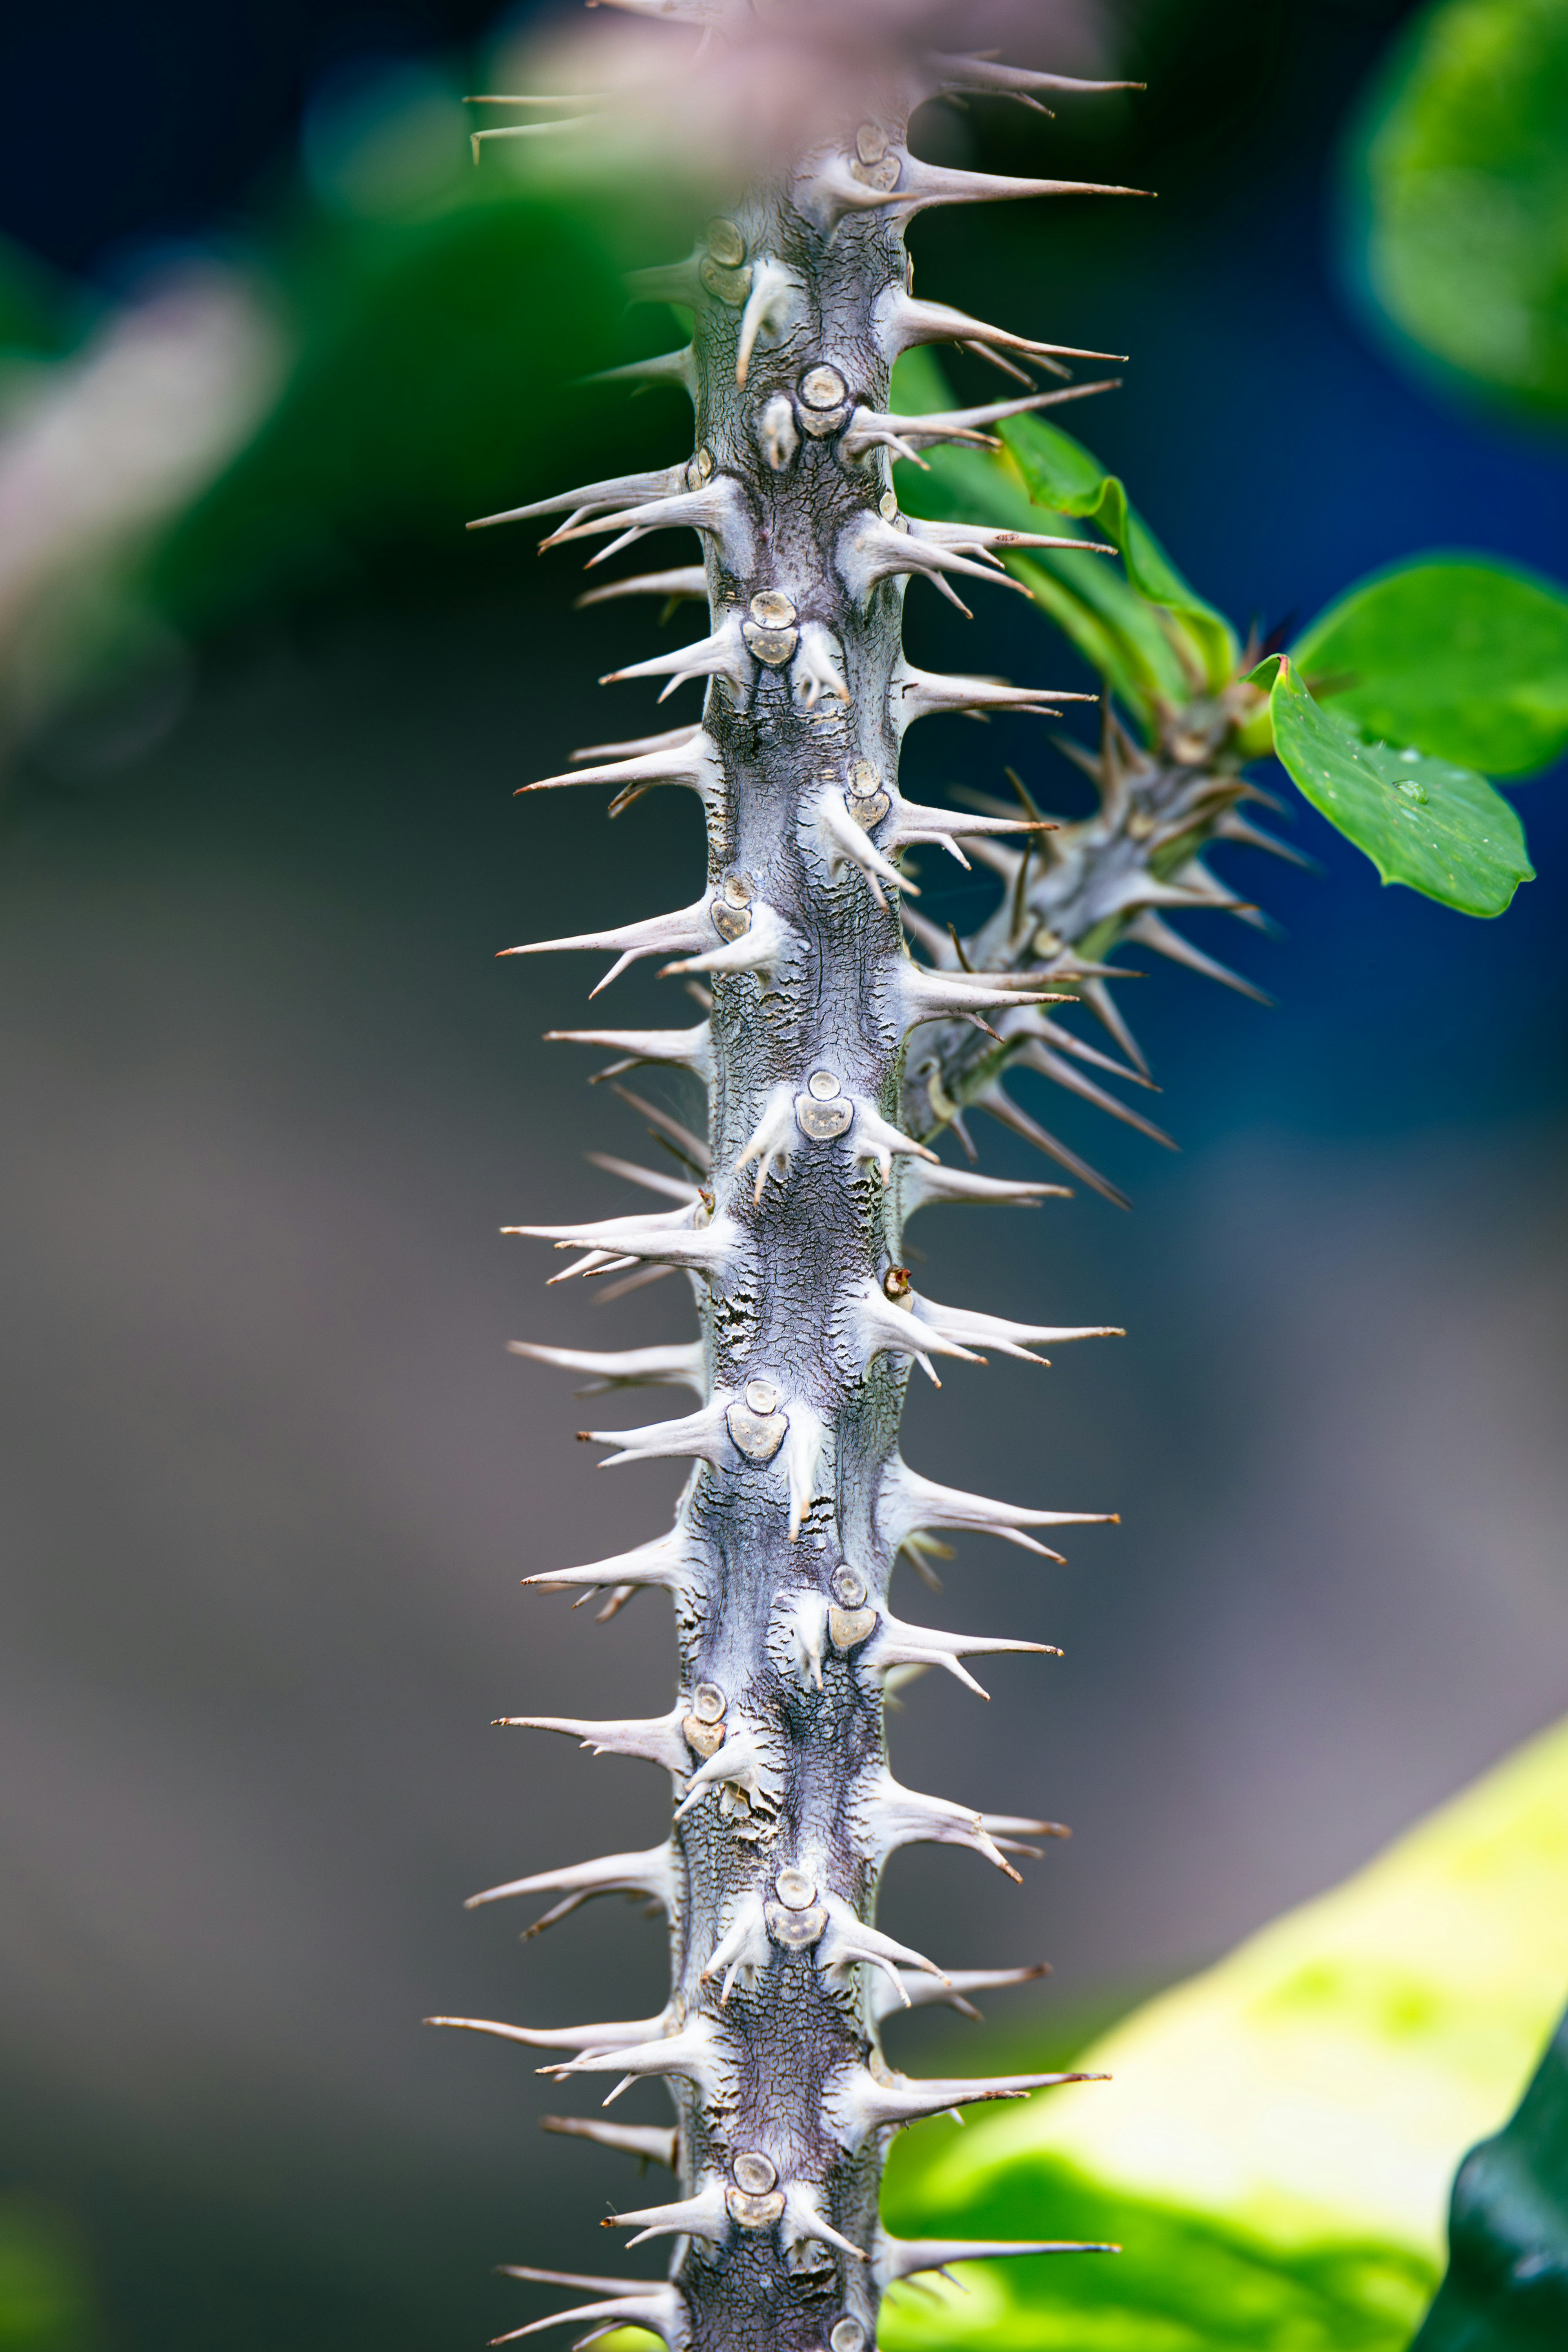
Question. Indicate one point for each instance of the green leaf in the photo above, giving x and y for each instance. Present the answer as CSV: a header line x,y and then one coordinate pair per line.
x,y
1438,828
1460,195
1274,2148
1463,656
1060,473
1507,2288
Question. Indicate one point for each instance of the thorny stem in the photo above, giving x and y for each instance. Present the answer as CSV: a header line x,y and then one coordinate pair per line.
x,y
830,1054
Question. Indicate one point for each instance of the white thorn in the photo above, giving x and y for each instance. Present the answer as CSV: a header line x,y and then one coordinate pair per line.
x,y
924,1992
772,1141
862,2104
686,931
618,491
818,666
686,756
653,2143
655,1739
722,655
698,1436
900,2258
622,2035
743,1948
849,1941
922,1187
687,2052
686,582
649,1874
801,1452
687,1049
761,948
910,1503
655,1240
847,843
803,2221
663,1561
659,2308
949,995
703,2216
874,1137
652,1179
777,295
738,1762
890,1816
881,1326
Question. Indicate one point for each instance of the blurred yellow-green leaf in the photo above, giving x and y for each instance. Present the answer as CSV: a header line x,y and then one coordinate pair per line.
x,y
1274,2149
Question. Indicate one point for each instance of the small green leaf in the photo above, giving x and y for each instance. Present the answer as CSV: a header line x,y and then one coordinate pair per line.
x,y
1438,828
1274,2145
1061,474
1462,655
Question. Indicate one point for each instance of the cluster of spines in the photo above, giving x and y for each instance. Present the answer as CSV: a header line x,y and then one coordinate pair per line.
x,y
798,1503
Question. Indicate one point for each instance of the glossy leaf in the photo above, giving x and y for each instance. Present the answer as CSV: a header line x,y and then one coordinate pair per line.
x,y
1274,2149
1061,474
1465,657
1460,195
1439,829
1507,2288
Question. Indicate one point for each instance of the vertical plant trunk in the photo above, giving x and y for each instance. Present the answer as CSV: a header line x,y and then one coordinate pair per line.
x,y
829,1056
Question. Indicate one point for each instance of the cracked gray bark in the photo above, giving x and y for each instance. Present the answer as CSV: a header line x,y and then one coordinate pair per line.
x,y
829,1056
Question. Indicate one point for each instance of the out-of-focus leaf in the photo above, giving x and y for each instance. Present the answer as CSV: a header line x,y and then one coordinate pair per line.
x,y
1060,473
428,388
1274,2149
1507,2288
1110,624
1440,829
1460,194
1463,656
45,2305
39,316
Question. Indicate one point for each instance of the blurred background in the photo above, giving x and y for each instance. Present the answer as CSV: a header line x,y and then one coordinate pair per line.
x,y
271,1478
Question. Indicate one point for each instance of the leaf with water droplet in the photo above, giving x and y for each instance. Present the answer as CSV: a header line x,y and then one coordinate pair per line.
x,y
1437,828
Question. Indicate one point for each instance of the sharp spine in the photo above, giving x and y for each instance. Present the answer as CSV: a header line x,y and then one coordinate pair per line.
x,y
651,2143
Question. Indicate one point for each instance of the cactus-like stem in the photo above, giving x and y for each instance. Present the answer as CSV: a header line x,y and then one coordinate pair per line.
x,y
1073,895
830,1056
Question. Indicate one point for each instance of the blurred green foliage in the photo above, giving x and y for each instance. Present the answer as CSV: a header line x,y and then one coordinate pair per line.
x,y
1272,2151
429,382
45,2303
1459,185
